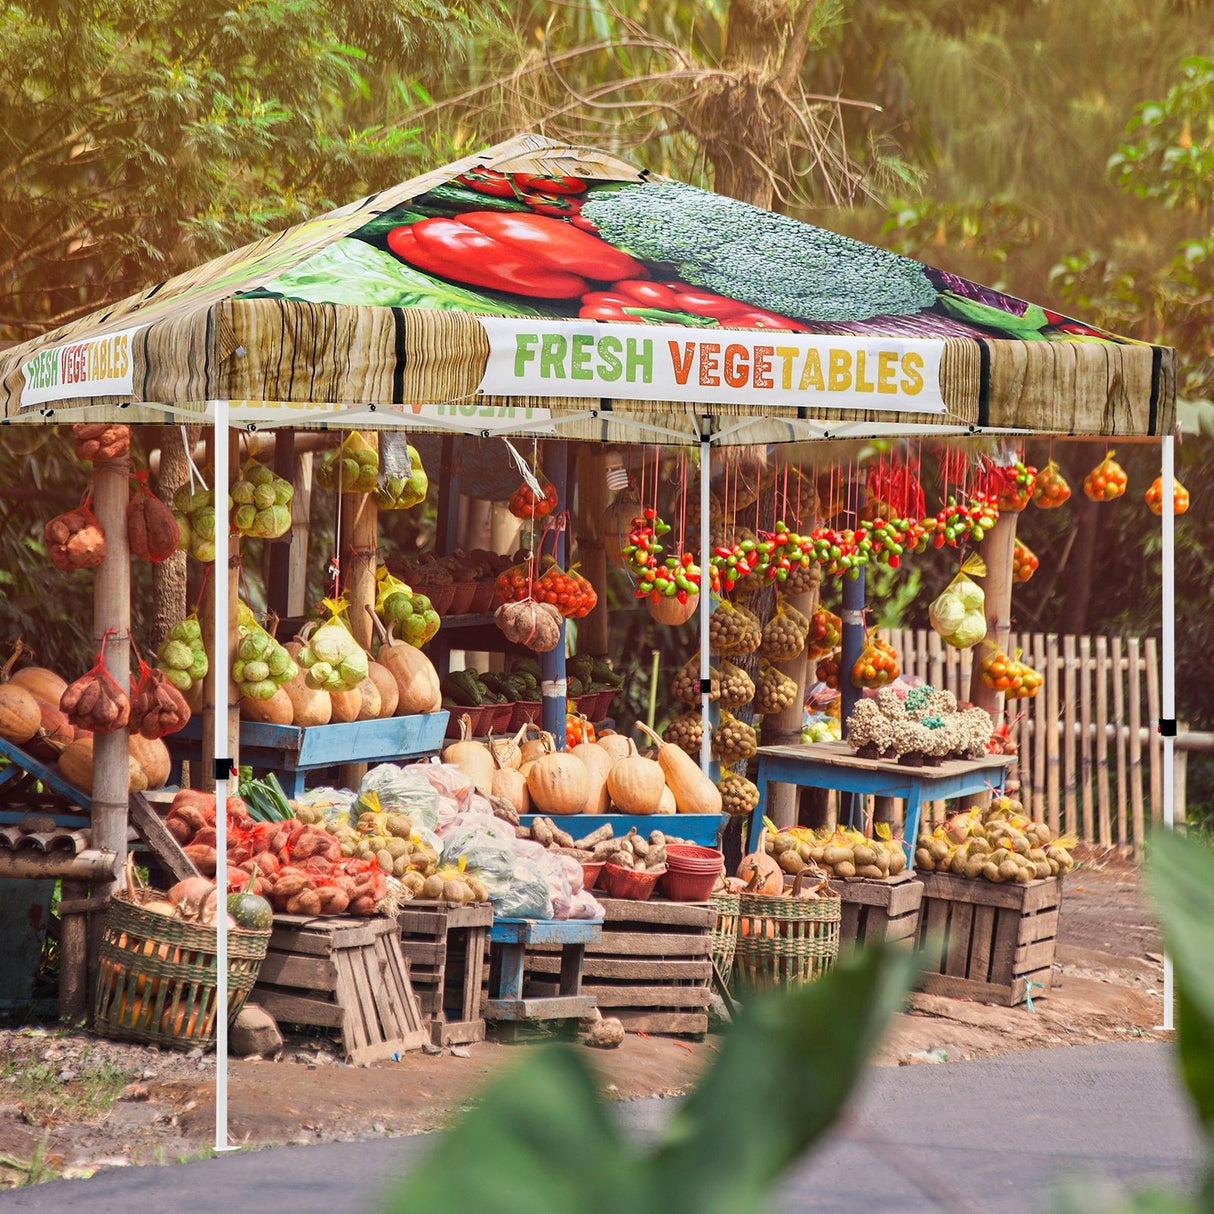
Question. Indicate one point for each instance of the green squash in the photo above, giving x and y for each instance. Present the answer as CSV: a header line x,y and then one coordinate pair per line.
x,y
251,911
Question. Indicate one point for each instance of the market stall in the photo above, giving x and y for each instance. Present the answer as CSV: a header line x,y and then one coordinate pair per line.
x,y
531,295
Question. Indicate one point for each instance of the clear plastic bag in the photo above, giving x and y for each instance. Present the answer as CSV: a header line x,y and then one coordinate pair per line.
x,y
399,790
335,804
958,614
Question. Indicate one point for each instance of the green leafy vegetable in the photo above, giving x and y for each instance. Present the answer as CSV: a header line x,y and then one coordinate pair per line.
x,y
1026,327
351,271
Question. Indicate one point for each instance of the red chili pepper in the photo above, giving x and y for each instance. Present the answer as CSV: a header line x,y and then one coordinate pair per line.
x,y
487,181
523,254
550,185
586,225
757,318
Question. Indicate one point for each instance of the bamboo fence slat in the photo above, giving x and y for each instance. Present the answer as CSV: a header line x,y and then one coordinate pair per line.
x,y
1135,772
1085,736
1155,743
1102,740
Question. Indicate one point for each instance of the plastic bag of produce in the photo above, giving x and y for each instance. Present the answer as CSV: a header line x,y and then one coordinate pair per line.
x,y
402,480
334,804
959,613
398,790
333,659
352,468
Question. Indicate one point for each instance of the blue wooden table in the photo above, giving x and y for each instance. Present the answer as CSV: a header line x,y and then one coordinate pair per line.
x,y
291,752
509,939
835,765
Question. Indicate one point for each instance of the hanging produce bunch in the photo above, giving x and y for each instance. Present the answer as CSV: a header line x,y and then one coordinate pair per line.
x,y
157,707
1154,497
657,577
685,685
352,468
739,796
785,634
1051,489
734,629
401,482
528,622
75,540
194,509
958,614
1024,562
774,692
98,444
686,732
525,503
152,531
876,665
569,592
825,633
737,687
262,665
828,669
1016,679
956,524
413,614
1000,844
1106,482
95,701
181,658
260,502
1014,484
332,658
733,740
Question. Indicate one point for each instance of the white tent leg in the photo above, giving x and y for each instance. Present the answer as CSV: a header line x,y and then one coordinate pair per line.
x,y
1168,681
705,600
219,662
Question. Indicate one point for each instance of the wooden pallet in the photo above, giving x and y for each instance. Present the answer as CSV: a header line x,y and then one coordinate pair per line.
x,y
342,973
879,910
651,970
988,942
445,946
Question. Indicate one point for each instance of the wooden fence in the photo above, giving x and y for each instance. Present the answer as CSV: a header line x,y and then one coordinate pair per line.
x,y
1090,756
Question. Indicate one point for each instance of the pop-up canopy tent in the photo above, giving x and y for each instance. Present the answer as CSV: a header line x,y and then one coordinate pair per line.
x,y
549,291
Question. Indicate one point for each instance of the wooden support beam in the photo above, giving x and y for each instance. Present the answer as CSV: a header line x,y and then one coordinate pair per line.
x,y
359,560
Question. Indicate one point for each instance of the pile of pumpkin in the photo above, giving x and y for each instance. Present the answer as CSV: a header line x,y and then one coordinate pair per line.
x,y
298,867
608,775
999,844
838,852
331,679
31,717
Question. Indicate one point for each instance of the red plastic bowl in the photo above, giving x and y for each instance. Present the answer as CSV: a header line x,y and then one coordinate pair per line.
x,y
627,883
591,873
503,714
440,596
688,887
526,712
461,597
479,718
484,600
689,858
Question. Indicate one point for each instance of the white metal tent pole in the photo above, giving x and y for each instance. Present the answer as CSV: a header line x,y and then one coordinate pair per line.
x,y
705,597
1167,724
219,661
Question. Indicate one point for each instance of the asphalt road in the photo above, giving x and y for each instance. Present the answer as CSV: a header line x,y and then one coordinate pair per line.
x,y
991,1136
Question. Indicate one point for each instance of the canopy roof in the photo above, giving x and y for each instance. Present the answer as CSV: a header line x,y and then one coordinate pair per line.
x,y
596,302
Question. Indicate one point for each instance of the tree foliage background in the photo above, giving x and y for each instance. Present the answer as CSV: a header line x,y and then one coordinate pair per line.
x,y
1063,152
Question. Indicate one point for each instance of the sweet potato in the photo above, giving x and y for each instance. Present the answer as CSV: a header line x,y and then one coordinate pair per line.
x,y
98,442
306,902
332,900
152,530
361,906
75,540
204,858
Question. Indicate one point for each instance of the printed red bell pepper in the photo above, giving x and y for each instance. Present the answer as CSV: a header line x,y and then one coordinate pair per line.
x,y
550,185
522,254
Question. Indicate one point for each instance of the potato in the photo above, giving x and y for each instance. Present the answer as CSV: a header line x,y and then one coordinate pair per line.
x,y
924,860
845,868
869,870
790,861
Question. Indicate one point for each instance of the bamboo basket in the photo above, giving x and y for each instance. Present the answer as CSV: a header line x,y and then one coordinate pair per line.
x,y
785,941
725,932
157,975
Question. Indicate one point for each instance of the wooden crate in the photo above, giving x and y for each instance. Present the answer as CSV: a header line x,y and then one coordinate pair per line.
x,y
342,973
988,942
879,910
651,970
444,945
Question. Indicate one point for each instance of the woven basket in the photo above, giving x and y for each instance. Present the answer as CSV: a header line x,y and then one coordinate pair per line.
x,y
785,941
157,975
725,932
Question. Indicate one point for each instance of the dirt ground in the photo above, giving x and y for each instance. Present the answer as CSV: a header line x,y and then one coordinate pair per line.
x,y
71,1104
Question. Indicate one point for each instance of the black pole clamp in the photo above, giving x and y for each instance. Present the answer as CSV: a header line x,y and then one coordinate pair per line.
x,y
223,769
1167,727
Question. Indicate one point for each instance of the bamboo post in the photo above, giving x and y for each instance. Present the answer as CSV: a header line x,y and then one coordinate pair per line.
x,y
591,502
1102,741
997,551
287,582
73,955
359,559
1182,775
554,687
111,613
1137,826
1119,728
784,728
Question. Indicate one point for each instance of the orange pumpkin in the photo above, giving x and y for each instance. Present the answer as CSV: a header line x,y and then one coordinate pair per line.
x,y
761,873
767,927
